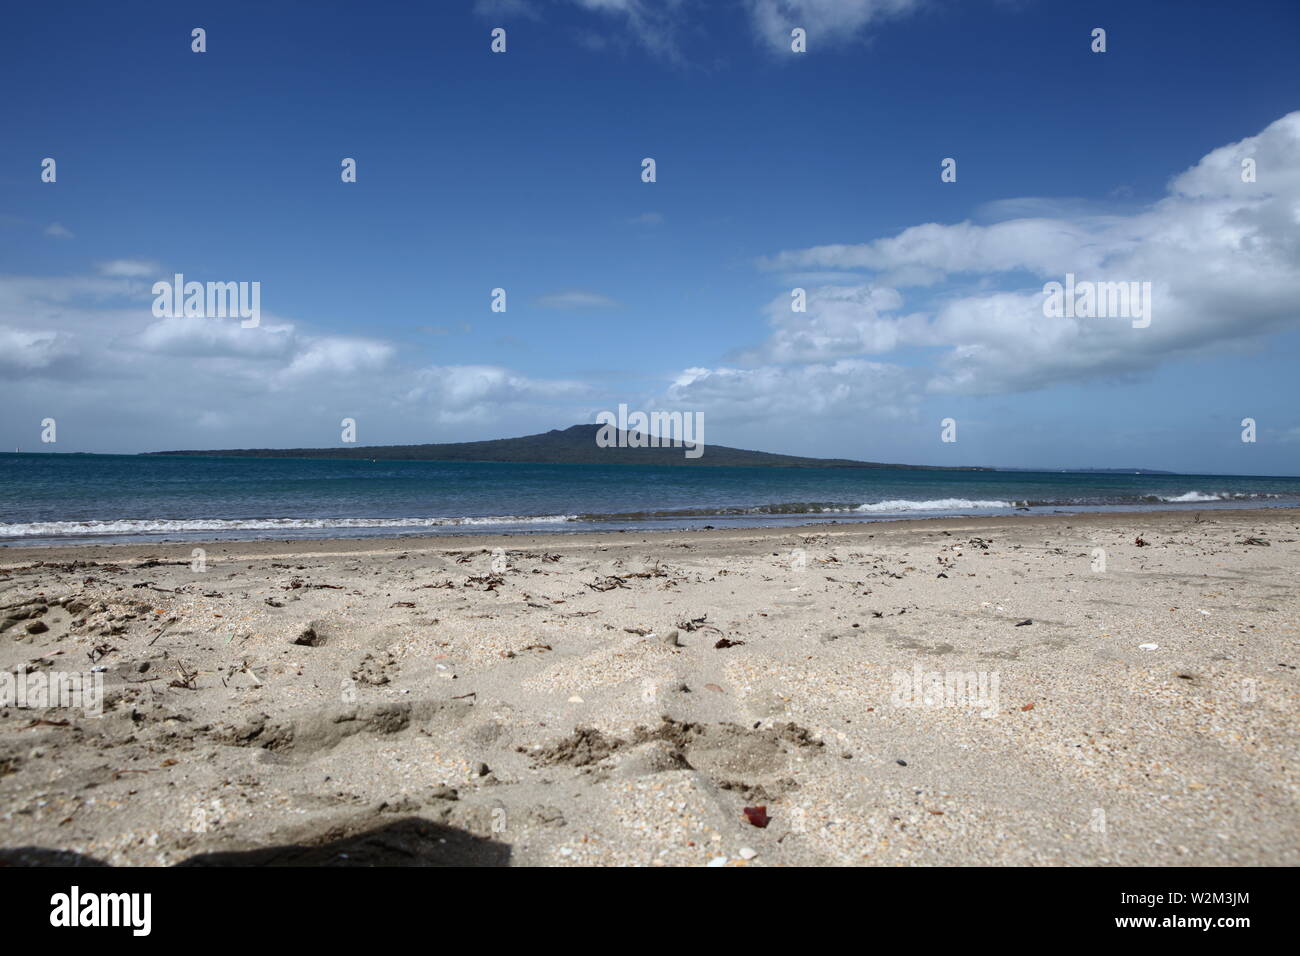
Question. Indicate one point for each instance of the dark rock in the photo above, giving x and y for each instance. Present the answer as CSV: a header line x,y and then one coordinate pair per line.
x,y
310,637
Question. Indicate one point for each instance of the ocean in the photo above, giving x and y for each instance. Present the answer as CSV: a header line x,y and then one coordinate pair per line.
x,y
66,499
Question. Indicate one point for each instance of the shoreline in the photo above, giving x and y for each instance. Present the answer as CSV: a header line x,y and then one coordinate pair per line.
x,y
379,543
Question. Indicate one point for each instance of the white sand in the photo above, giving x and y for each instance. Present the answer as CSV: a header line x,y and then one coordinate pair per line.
x,y
1096,750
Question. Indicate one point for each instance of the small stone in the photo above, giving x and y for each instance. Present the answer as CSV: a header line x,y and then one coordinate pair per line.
x,y
482,770
747,853
309,637
37,627
671,639
575,699
718,861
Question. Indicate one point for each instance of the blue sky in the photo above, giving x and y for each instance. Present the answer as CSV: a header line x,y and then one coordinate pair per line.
x,y
522,170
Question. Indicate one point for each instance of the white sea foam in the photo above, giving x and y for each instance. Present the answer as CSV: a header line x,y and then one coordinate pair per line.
x,y
184,525
938,504
1194,496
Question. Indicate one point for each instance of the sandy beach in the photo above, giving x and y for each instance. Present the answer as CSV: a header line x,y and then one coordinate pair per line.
x,y
1033,690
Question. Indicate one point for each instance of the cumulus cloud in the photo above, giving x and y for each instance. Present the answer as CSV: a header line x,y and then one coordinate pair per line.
x,y
339,356
23,350
1222,256
845,320
462,393
209,339
790,394
89,350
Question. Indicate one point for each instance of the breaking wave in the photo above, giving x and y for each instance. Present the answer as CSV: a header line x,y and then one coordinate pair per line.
x,y
938,504
19,532
894,506
189,525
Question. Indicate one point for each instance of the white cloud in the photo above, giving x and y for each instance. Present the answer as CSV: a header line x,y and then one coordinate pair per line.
x,y
841,320
935,250
128,269
215,338
56,230
1222,255
471,393
829,23
790,394
578,299
655,23
658,24
89,350
339,356
24,351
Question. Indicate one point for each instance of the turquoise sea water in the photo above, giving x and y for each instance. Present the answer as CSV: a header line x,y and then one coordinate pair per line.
x,y
66,498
